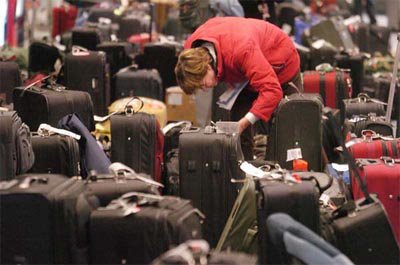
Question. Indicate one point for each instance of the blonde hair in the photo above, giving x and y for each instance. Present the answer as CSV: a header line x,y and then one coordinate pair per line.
x,y
191,68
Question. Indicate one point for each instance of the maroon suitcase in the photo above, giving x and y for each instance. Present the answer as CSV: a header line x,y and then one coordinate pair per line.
x,y
374,147
333,86
382,176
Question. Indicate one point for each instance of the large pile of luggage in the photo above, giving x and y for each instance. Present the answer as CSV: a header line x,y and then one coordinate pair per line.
x,y
103,159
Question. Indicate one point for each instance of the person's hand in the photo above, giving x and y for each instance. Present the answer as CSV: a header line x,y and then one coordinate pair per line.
x,y
243,124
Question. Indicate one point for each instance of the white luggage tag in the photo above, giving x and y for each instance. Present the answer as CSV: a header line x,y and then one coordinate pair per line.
x,y
45,130
258,173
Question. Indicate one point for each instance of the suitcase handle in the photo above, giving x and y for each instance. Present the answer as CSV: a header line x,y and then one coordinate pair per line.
x,y
122,173
190,129
189,213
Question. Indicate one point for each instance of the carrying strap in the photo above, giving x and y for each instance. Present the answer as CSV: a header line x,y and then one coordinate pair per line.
x,y
349,158
393,82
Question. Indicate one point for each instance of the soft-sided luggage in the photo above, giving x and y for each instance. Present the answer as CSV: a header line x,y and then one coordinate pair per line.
x,y
382,177
118,54
299,200
196,252
207,163
16,154
42,57
87,38
371,122
297,131
38,105
140,227
88,71
131,81
131,25
56,154
10,77
333,86
41,222
137,141
374,146
372,38
362,105
356,65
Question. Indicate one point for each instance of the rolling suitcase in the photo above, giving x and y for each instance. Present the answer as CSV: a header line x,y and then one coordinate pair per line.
x,y
207,163
16,154
382,177
356,65
41,223
284,196
10,77
333,86
38,105
56,154
137,141
142,83
118,54
87,38
297,131
140,227
88,71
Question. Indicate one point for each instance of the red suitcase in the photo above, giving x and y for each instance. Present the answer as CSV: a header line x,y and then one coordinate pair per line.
x,y
374,147
333,86
382,176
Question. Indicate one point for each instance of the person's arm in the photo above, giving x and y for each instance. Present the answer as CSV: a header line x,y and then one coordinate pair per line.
x,y
264,80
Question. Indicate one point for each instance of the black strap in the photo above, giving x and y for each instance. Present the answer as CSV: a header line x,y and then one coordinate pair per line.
x,y
322,90
340,87
395,149
350,159
385,151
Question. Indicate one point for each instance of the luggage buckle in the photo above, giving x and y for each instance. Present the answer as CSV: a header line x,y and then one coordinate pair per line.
x,y
388,160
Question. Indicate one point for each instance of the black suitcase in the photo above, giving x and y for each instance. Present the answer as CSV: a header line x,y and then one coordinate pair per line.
x,y
10,77
299,200
87,37
207,163
95,13
142,83
118,54
297,127
140,227
48,105
131,25
88,71
137,141
42,57
362,105
371,122
41,223
356,65
56,154
16,154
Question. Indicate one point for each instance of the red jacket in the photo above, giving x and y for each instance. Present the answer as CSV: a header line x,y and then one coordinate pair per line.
x,y
251,49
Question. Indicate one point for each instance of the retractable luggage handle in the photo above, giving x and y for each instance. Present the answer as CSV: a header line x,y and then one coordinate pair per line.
x,y
393,82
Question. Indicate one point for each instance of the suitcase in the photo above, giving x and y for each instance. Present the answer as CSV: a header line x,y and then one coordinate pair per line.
x,y
42,57
118,55
137,141
333,86
140,227
142,83
38,105
372,38
131,25
16,154
56,154
10,77
88,71
41,223
196,252
356,65
280,196
374,147
297,131
207,163
362,105
382,177
95,13
87,38
377,124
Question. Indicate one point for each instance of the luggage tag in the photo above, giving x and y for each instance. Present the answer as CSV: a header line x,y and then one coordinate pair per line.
x,y
251,170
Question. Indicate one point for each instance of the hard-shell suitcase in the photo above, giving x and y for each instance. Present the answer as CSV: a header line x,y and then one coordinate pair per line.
x,y
56,154
41,223
88,71
382,177
362,105
138,82
333,86
297,131
207,163
42,105
299,200
10,77
16,154
140,227
137,141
